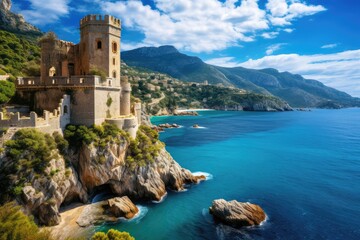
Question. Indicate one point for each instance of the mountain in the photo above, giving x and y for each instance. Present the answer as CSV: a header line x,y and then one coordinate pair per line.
x,y
19,51
15,23
293,88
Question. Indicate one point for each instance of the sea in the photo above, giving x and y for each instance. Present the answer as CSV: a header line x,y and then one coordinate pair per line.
x,y
302,168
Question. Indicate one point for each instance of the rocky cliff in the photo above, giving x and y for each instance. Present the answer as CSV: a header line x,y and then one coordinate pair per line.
x,y
15,23
77,172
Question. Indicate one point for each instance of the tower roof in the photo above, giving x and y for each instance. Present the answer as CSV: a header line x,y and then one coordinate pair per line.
x,y
100,19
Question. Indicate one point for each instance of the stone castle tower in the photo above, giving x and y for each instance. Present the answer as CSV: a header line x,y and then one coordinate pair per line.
x,y
68,68
100,45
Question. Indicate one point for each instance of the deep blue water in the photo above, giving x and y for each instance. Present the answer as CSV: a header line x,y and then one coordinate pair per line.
x,y
303,168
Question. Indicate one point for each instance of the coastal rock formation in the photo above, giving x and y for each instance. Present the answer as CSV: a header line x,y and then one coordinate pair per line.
x,y
122,207
150,181
45,195
143,182
237,214
109,210
93,168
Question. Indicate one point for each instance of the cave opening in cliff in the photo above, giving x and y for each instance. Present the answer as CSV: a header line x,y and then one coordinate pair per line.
x,y
102,192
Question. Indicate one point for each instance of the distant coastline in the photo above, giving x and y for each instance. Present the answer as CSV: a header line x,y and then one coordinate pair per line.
x,y
193,110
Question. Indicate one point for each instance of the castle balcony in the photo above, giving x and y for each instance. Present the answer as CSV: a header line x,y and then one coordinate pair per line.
x,y
28,81
84,81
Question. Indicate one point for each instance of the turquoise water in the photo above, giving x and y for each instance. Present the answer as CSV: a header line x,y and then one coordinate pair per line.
x,y
303,168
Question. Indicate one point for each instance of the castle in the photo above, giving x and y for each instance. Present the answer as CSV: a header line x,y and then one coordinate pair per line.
x,y
79,83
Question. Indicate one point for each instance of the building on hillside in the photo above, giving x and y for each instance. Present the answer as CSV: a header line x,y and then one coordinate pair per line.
x,y
80,81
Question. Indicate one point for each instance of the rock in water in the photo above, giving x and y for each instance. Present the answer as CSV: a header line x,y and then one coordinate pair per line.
x,y
237,214
122,207
107,211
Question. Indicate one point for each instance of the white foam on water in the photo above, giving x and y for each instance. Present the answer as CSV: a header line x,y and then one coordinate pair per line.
x,y
208,217
140,215
208,176
200,127
162,199
265,221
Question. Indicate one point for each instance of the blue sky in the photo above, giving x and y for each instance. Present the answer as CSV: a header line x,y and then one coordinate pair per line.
x,y
319,39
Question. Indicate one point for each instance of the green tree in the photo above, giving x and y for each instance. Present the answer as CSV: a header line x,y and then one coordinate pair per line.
x,y
112,234
7,91
14,224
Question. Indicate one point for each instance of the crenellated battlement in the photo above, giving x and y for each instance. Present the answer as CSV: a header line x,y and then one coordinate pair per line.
x,y
49,122
100,19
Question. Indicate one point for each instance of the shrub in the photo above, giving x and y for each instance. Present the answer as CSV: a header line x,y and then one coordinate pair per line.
x,y
144,148
112,234
7,91
100,135
98,72
30,151
14,224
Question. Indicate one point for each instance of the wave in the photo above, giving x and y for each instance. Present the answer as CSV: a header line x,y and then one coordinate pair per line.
x,y
200,127
208,176
161,200
140,215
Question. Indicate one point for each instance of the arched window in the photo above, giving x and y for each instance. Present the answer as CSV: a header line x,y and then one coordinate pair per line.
x,y
99,44
114,47
114,61
52,72
114,74
65,109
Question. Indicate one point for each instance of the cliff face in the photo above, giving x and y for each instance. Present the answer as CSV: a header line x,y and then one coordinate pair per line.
x,y
84,171
15,22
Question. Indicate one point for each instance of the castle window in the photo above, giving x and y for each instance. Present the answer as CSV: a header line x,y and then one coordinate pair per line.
x,y
114,61
65,109
52,71
114,47
114,74
99,44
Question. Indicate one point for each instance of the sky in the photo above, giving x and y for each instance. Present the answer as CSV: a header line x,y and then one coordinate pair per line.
x,y
319,39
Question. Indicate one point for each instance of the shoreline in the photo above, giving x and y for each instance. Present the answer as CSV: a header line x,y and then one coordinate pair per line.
x,y
193,110
68,226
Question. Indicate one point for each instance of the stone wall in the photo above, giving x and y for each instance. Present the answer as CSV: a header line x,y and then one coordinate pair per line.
x,y
107,104
50,122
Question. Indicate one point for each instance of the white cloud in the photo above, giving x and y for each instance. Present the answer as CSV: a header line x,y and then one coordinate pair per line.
x,y
288,30
223,62
339,70
282,12
43,12
333,45
204,25
272,48
125,46
270,35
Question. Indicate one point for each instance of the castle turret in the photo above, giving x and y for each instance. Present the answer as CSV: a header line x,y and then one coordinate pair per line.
x,y
56,57
100,46
125,96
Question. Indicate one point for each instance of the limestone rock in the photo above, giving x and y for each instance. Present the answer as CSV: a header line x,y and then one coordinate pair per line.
x,y
237,214
49,214
94,214
44,196
15,22
61,184
122,207
107,211
6,5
